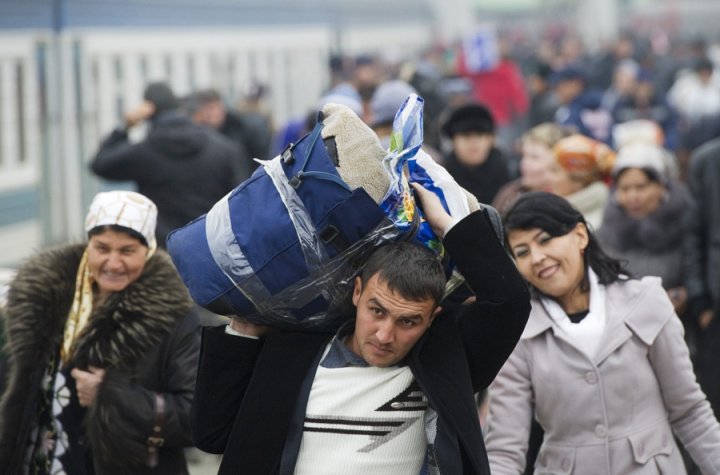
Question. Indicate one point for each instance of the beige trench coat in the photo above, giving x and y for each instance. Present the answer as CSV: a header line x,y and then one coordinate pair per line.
x,y
614,414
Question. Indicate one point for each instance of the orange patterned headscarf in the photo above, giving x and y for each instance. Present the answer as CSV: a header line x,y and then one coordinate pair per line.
x,y
584,159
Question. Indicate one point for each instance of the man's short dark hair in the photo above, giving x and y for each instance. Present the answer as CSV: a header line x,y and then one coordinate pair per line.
x,y
408,269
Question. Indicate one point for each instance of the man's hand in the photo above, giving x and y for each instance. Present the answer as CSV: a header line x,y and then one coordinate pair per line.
x,y
142,112
433,210
242,325
87,383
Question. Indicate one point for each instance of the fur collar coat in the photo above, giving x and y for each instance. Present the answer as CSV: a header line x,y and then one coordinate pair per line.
x,y
134,335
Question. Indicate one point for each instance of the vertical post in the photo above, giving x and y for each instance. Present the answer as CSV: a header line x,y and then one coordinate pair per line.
x,y
63,201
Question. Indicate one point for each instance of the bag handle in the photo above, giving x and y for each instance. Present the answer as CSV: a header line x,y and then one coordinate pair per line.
x,y
296,180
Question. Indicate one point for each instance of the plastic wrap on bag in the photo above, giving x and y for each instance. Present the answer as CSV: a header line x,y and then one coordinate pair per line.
x,y
406,162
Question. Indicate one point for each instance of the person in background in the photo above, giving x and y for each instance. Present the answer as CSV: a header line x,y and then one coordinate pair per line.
x,y
184,168
209,109
702,262
695,95
500,88
542,101
577,173
474,161
537,158
255,110
102,351
367,74
295,128
642,221
623,84
646,103
580,108
602,364
384,104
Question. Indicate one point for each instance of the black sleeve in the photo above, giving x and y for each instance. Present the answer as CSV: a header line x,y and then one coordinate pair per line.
x,y
226,365
118,159
491,326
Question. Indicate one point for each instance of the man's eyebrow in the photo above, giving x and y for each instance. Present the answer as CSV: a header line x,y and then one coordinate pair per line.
x,y
377,303
413,316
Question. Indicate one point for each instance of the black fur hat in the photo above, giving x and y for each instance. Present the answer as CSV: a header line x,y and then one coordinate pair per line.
x,y
472,117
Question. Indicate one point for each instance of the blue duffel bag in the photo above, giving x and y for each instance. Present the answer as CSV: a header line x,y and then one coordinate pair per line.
x,y
283,248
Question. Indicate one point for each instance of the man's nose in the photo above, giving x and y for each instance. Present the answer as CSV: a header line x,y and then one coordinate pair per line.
x,y
386,332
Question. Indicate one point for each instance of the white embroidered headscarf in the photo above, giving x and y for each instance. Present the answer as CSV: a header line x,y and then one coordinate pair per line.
x,y
123,208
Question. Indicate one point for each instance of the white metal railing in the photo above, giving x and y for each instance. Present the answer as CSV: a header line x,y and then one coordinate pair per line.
x,y
19,112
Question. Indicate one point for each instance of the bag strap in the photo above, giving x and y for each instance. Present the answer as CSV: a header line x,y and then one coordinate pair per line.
x,y
312,138
156,440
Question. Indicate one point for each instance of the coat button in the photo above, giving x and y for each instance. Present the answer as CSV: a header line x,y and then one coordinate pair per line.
x,y
591,377
600,431
565,465
397,405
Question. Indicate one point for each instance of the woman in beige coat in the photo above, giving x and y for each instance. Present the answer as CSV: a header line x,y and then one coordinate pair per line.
x,y
602,364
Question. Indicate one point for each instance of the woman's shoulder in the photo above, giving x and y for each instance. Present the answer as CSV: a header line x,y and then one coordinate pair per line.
x,y
643,304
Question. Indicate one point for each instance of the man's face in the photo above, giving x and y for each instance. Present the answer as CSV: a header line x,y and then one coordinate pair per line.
x,y
567,90
212,114
387,325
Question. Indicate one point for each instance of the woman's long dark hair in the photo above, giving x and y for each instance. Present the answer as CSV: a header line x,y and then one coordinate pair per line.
x,y
554,215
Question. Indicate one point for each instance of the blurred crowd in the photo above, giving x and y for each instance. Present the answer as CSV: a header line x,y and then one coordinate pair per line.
x,y
628,135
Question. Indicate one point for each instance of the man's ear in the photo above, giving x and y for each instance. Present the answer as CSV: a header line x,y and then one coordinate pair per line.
x,y
434,314
357,291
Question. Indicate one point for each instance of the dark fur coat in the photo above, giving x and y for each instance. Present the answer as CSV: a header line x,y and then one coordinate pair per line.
x,y
145,338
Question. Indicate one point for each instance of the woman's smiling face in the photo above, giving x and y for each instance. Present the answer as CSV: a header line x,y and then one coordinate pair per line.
x,y
115,260
553,265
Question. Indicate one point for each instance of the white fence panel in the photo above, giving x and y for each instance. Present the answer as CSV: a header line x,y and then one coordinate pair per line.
x,y
19,111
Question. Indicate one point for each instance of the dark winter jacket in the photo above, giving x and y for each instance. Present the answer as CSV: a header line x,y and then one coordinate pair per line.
x,y
145,338
250,133
184,168
483,181
247,389
702,239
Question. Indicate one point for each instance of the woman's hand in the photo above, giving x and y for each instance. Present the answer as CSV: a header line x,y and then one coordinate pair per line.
x,y
87,384
433,210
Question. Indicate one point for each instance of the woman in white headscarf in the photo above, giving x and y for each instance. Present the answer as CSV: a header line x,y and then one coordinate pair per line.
x,y
102,351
